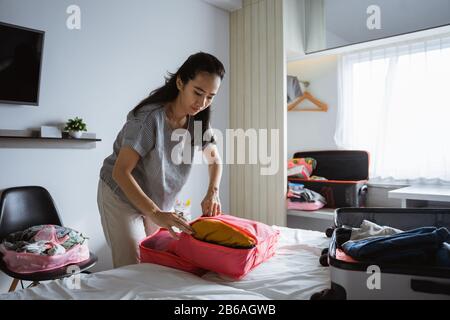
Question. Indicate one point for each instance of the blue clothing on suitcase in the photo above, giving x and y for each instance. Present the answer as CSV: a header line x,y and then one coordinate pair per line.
x,y
425,245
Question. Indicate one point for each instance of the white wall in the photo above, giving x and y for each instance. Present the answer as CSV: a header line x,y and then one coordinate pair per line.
x,y
99,73
314,130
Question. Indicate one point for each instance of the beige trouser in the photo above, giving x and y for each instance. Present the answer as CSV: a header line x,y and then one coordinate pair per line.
x,y
123,226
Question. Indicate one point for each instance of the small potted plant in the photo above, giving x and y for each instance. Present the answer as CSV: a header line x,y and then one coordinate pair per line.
x,y
75,127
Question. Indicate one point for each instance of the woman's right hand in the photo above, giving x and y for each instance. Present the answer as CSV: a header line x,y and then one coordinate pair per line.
x,y
167,220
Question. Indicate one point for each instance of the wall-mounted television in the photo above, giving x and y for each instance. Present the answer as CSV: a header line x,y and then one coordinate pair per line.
x,y
20,64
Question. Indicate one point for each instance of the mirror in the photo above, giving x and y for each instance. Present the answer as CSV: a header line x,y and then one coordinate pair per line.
x,y
335,23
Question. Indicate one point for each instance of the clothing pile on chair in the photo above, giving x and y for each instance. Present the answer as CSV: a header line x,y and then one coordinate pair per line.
x,y
301,198
40,240
43,247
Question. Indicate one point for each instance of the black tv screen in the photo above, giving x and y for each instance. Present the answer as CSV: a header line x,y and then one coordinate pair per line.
x,y
20,64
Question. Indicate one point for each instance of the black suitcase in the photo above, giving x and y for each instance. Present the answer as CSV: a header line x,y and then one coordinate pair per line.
x,y
347,172
351,280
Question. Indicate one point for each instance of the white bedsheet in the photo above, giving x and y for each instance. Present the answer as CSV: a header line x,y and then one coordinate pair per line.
x,y
293,273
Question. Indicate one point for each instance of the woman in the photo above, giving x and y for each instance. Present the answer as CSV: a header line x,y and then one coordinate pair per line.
x,y
139,181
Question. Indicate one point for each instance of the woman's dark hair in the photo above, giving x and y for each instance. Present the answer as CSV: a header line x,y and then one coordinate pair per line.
x,y
195,64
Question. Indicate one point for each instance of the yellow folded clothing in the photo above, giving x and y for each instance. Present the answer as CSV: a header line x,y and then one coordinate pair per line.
x,y
217,232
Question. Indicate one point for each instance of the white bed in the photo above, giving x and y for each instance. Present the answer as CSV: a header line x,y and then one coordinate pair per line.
x,y
293,273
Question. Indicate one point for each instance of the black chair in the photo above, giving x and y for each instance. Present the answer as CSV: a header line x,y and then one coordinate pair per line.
x,y
24,207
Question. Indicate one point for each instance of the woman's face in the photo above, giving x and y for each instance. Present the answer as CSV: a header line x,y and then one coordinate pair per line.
x,y
198,94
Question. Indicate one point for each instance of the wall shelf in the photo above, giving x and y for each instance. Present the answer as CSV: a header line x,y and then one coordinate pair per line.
x,y
50,139
26,139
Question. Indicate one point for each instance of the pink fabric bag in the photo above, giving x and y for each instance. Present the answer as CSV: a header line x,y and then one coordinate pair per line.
x,y
26,262
197,256
158,248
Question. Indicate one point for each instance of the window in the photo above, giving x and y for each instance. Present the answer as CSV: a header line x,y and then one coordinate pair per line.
x,y
395,103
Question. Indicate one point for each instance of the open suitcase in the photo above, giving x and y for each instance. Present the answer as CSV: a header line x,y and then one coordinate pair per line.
x,y
350,280
346,171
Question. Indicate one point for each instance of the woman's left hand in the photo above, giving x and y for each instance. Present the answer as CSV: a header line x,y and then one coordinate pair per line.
x,y
211,204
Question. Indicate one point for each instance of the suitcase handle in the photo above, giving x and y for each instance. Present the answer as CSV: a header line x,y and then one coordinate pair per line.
x,y
363,189
428,286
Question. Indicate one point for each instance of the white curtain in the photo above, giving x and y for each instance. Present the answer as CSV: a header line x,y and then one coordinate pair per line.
x,y
395,103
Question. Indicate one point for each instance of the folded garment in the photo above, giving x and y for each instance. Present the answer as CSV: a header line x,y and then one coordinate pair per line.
x,y
297,193
295,187
300,198
218,232
417,246
301,167
371,229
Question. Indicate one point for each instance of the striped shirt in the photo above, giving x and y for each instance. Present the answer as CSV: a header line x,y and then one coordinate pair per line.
x,y
149,134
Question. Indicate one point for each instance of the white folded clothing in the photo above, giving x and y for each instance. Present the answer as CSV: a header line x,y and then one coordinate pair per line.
x,y
369,229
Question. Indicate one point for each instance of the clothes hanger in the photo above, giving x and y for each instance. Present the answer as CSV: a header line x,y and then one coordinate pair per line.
x,y
322,107
308,96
